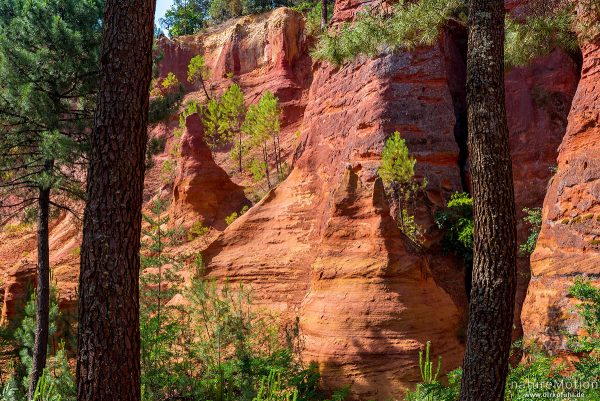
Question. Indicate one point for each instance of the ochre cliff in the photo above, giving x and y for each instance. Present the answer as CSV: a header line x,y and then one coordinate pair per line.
x,y
569,243
321,246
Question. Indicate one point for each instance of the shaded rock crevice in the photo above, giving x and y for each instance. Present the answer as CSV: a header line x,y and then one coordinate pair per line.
x,y
454,43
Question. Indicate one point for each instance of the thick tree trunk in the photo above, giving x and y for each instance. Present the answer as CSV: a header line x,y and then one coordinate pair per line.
x,y
108,364
323,15
494,266
42,308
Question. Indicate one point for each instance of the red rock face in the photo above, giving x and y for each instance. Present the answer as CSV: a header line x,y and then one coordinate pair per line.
x,y
538,99
202,190
569,243
18,256
322,246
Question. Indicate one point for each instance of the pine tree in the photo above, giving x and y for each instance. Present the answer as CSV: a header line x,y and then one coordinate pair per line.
x,y
48,63
492,300
397,171
159,324
198,73
234,111
185,17
108,363
222,10
216,131
262,125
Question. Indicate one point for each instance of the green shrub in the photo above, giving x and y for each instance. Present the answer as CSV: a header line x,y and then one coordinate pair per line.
x,y
231,218
312,15
533,218
167,171
411,24
197,230
164,105
539,376
456,222
156,145
257,169
397,171
58,382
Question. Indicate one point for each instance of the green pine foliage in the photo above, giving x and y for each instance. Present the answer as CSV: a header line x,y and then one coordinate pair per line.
x,y
158,282
185,17
59,381
312,15
414,24
262,125
411,24
214,345
533,218
222,10
397,171
233,106
165,98
49,53
538,35
198,73
216,131
456,222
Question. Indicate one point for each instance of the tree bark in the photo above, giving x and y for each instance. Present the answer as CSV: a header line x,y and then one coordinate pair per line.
x,y
323,15
491,306
42,307
108,363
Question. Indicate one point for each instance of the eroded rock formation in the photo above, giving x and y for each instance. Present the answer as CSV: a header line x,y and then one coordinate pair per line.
x,y
322,246
569,243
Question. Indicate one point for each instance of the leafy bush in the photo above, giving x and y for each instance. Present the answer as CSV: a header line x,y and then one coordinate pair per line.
x,y
257,169
534,219
589,310
167,171
231,218
413,24
312,15
197,230
156,145
456,221
162,105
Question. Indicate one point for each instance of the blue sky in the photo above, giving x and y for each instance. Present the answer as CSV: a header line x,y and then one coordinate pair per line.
x,y
161,7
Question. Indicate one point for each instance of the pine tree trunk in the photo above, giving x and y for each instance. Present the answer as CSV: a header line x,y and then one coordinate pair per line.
x,y
240,148
266,159
42,308
491,306
108,364
323,15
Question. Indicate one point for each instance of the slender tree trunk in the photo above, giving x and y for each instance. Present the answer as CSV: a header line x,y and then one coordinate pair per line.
x,y
266,159
277,166
108,363
240,148
491,306
323,15
208,97
42,308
